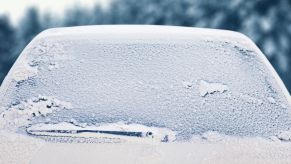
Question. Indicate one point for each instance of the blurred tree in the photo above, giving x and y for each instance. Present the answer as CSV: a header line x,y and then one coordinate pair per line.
x,y
77,16
7,46
98,15
29,26
268,24
48,20
159,12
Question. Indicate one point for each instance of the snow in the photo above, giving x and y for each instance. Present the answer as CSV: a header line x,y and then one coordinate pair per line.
x,y
226,150
210,136
210,88
285,136
24,72
45,55
210,84
17,148
22,113
210,147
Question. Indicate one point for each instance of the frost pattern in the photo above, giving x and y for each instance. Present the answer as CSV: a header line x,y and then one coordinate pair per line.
x,y
251,99
24,72
210,88
271,100
187,85
47,55
22,113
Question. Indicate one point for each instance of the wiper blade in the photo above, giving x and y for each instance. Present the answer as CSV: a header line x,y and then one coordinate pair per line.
x,y
121,133
112,130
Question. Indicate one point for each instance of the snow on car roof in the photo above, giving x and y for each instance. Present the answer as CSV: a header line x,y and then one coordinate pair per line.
x,y
188,80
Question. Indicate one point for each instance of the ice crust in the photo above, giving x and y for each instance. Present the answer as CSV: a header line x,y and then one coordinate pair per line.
x,y
210,88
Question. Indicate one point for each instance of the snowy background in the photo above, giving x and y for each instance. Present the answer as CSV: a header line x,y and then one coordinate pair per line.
x,y
267,22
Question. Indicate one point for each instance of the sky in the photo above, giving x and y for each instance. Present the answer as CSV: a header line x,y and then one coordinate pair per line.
x,y
16,8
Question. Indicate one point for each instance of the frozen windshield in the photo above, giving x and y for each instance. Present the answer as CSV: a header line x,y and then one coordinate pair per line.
x,y
186,81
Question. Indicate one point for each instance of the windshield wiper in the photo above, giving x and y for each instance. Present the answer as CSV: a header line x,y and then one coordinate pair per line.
x,y
111,130
121,133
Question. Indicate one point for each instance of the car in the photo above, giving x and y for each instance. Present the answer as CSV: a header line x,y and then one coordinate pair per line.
x,y
143,94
